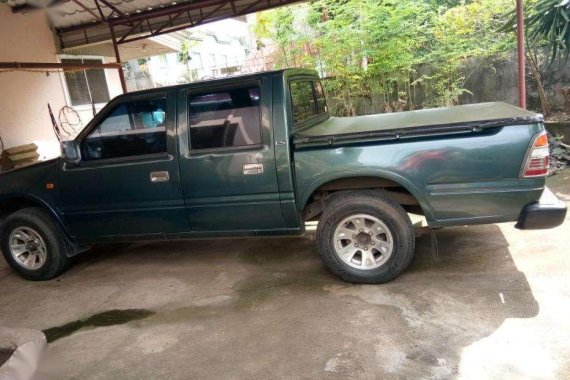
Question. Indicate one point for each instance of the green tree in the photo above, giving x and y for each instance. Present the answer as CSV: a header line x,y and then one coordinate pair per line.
x,y
548,30
549,21
184,58
389,50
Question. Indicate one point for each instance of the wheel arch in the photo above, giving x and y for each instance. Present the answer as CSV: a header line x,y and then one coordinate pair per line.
x,y
15,202
365,180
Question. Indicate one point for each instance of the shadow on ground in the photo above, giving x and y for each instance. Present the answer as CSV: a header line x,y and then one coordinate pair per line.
x,y
236,308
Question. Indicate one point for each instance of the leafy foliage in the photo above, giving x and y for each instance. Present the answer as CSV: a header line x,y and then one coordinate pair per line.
x,y
550,19
559,154
548,22
393,52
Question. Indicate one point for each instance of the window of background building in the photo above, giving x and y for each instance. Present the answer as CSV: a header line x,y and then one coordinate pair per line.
x,y
197,60
86,86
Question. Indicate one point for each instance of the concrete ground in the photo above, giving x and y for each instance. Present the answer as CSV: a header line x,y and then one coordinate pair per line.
x,y
494,304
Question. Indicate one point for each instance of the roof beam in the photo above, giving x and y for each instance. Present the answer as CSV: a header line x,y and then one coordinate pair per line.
x,y
86,8
54,66
103,18
113,8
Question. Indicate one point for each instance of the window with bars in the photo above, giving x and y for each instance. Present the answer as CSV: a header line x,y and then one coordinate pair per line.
x,y
86,86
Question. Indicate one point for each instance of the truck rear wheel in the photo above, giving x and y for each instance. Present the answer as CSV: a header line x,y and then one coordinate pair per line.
x,y
33,244
363,237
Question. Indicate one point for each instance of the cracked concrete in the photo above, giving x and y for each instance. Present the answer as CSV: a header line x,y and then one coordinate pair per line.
x,y
495,304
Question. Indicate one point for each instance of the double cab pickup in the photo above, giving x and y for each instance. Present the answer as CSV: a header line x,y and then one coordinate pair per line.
x,y
260,155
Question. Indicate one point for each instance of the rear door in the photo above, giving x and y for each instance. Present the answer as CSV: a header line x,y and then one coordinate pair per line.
x,y
227,162
127,182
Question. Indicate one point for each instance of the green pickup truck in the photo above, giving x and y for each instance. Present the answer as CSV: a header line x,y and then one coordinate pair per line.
x,y
259,155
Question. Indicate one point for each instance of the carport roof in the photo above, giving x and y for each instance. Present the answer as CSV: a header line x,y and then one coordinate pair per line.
x,y
83,22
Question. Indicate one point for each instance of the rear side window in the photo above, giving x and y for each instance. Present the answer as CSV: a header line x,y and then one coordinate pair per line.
x,y
225,119
131,129
321,98
308,100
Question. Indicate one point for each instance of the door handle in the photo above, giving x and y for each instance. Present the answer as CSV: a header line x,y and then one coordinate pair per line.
x,y
252,169
156,177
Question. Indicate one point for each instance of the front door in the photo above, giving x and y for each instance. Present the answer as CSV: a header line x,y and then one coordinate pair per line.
x,y
127,182
227,163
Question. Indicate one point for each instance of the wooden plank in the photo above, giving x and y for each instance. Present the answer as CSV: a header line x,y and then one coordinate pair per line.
x,y
21,149
24,156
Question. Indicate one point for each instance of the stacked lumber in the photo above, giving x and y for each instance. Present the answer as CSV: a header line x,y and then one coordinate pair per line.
x,y
19,156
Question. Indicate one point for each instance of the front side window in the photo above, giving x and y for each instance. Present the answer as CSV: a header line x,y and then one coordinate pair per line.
x,y
86,86
131,129
225,119
308,100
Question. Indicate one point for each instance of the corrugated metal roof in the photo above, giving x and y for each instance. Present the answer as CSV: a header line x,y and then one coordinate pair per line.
x,y
70,13
79,22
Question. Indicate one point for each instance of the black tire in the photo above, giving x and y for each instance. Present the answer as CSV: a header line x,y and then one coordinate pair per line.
x,y
39,221
374,203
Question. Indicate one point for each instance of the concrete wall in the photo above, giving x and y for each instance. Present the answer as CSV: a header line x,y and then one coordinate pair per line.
x,y
497,80
487,81
24,96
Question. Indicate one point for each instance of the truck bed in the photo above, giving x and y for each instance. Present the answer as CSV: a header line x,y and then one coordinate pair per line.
x,y
426,122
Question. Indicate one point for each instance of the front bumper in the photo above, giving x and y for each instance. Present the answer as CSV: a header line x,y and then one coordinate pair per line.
x,y
548,212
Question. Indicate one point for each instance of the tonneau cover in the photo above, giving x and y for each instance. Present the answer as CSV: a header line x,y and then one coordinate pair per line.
x,y
445,120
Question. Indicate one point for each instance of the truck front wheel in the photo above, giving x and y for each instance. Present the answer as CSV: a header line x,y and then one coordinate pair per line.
x,y
363,237
33,244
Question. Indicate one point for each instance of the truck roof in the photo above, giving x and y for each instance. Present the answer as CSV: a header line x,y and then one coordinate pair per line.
x,y
220,81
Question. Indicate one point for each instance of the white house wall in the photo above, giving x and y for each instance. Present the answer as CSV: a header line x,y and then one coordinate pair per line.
x,y
23,95
215,43
24,98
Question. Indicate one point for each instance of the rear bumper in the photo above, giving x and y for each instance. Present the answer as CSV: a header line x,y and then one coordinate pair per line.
x,y
548,212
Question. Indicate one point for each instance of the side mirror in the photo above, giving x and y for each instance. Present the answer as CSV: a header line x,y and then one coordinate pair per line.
x,y
70,152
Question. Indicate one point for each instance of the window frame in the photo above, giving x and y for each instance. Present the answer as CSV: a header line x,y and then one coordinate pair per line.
x,y
315,119
83,107
220,88
108,110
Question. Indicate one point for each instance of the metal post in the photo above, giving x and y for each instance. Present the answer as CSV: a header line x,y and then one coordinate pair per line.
x,y
521,54
118,58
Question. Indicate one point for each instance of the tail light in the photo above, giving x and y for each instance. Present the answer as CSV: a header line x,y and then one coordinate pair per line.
x,y
538,158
